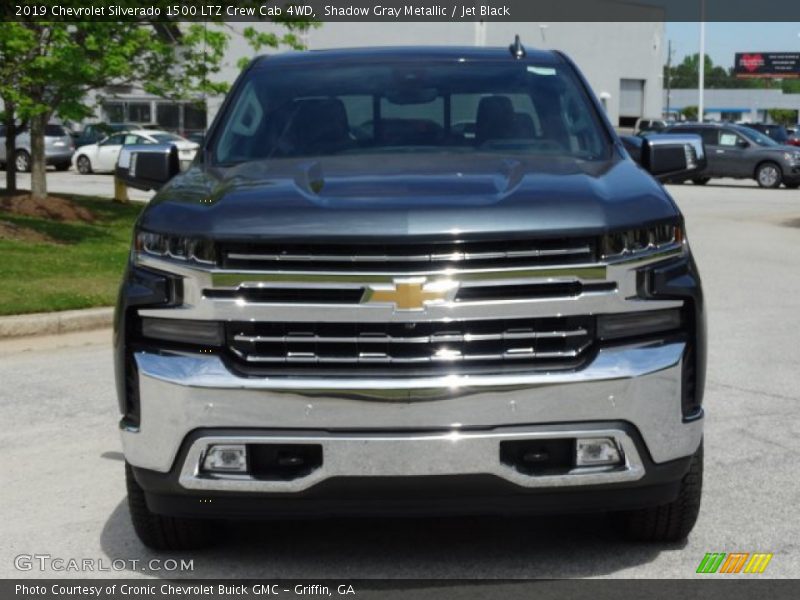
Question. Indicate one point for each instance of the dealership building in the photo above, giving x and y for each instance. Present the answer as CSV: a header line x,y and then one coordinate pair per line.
x,y
750,105
622,62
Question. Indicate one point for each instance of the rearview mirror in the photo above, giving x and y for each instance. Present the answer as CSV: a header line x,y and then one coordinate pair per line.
x,y
147,166
412,96
666,156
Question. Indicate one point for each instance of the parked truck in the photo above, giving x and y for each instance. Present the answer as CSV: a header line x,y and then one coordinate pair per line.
x,y
411,281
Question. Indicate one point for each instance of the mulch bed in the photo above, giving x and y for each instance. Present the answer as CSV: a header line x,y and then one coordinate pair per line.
x,y
52,207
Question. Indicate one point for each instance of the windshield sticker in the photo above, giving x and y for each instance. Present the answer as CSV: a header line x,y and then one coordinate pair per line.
x,y
541,70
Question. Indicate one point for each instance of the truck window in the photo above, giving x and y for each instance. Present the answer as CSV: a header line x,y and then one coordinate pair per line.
x,y
729,139
710,136
504,107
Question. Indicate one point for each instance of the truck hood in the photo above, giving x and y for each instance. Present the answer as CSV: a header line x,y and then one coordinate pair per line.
x,y
399,195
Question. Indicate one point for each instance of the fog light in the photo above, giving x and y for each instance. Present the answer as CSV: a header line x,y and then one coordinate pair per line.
x,y
228,458
591,452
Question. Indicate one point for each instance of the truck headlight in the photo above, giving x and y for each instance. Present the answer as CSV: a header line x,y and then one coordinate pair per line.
x,y
793,158
181,248
634,243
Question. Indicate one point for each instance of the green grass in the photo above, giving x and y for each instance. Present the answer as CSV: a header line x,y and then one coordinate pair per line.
x,y
83,270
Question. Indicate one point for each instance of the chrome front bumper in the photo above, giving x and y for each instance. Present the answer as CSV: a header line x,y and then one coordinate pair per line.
x,y
413,454
639,384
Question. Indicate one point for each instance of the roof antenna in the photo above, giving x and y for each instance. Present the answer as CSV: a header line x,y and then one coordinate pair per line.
x,y
517,49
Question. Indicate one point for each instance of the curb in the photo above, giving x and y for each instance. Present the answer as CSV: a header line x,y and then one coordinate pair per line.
x,y
55,322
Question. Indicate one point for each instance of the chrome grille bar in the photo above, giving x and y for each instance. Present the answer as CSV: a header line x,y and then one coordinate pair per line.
x,y
526,353
482,344
428,339
432,257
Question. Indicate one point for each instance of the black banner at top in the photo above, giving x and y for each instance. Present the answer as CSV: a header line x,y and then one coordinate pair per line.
x,y
401,10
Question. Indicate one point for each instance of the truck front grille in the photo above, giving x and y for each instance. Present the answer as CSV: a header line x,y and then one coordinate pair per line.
x,y
403,258
546,343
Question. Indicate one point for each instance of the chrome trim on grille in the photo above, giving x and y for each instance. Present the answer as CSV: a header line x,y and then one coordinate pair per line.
x,y
197,279
383,358
426,339
446,257
413,455
231,310
467,277
210,372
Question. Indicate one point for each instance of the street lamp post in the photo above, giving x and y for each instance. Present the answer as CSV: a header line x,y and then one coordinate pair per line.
x,y
669,76
702,58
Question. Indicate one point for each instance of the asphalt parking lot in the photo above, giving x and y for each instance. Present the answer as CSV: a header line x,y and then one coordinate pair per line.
x,y
72,182
62,476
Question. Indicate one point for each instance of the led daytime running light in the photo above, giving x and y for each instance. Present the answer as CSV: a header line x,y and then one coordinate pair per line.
x,y
636,242
184,249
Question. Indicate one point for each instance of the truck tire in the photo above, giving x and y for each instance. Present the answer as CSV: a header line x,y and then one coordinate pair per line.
x,y
23,161
84,165
160,532
769,175
669,522
701,180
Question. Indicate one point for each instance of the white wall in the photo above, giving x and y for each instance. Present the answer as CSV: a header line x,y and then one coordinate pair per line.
x,y
755,101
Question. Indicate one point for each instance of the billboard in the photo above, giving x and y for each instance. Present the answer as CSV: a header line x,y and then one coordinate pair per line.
x,y
779,65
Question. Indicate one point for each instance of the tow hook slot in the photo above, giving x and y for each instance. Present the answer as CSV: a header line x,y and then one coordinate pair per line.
x,y
539,457
283,462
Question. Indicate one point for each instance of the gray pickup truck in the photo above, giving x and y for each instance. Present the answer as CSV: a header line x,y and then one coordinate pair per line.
x,y
411,281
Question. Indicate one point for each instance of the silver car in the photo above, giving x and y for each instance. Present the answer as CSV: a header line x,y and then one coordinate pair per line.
x,y
58,148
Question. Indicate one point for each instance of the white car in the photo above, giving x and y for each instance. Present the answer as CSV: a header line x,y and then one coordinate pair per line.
x,y
102,156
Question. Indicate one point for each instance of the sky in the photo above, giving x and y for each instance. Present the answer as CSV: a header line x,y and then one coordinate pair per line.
x,y
723,40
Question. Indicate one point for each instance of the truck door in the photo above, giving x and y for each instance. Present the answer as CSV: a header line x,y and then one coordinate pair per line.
x,y
710,137
730,154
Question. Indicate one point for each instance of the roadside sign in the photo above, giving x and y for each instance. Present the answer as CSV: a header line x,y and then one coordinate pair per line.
x,y
778,65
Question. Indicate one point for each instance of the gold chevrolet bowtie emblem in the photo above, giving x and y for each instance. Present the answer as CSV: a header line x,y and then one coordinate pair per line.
x,y
410,294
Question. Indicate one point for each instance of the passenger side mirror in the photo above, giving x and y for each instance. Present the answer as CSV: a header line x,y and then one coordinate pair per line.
x,y
667,155
147,167
742,143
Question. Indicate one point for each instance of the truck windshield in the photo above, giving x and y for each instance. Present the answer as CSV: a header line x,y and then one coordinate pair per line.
x,y
505,107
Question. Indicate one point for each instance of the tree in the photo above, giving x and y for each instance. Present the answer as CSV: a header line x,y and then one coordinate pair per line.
x,y
791,86
686,75
16,49
689,113
783,116
53,65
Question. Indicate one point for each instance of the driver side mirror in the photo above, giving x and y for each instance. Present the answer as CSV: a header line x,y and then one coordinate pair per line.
x,y
667,155
147,167
742,143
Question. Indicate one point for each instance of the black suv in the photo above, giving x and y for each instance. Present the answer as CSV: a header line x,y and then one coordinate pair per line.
x,y
426,280
776,132
744,153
